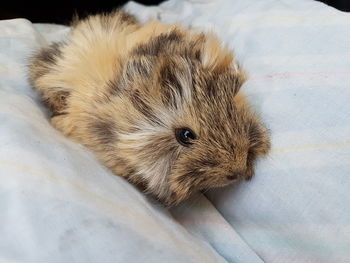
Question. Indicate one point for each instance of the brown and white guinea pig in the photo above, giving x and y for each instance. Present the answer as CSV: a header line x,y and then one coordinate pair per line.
x,y
156,103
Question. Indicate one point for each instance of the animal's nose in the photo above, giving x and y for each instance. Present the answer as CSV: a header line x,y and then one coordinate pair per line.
x,y
235,175
232,177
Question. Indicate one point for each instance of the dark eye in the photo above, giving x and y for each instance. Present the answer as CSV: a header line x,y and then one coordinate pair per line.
x,y
184,136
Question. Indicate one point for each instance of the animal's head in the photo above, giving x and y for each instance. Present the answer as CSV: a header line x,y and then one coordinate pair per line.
x,y
183,127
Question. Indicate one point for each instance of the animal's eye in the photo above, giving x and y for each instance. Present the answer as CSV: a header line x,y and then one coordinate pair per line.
x,y
184,136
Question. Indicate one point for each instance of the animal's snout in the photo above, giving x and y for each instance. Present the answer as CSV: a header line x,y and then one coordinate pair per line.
x,y
236,175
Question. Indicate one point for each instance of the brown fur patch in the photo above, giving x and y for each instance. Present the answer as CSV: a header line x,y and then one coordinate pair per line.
x,y
144,108
57,103
44,60
50,54
104,131
140,67
113,89
127,18
164,43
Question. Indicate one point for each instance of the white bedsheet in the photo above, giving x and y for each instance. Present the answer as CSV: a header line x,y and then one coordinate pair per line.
x,y
58,204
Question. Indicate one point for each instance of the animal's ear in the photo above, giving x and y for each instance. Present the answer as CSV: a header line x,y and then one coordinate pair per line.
x,y
218,59
239,76
213,55
226,84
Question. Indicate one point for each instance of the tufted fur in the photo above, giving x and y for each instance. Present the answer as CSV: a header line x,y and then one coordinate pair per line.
x,y
122,88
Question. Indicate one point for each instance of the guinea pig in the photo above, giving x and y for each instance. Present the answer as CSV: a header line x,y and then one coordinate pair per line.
x,y
157,103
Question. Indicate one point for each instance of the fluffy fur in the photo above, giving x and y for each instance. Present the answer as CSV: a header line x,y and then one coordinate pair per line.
x,y
122,88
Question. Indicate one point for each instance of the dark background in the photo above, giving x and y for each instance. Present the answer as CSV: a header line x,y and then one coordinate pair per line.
x,y
62,11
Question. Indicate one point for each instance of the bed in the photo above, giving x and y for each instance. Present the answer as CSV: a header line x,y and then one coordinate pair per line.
x,y
59,204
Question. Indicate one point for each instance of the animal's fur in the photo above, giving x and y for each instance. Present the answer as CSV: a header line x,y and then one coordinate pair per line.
x,y
122,88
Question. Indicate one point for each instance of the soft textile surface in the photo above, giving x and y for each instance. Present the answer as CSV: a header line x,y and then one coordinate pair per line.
x,y
58,204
